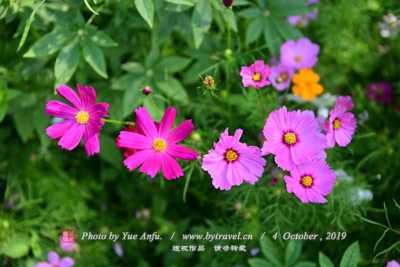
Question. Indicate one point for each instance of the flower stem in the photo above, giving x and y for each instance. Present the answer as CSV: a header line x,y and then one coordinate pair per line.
x,y
228,27
119,122
261,102
154,105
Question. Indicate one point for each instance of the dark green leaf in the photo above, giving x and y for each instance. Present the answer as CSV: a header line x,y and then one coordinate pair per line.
x,y
292,252
94,56
23,119
28,26
256,262
287,30
286,8
50,43
272,37
183,2
133,67
100,38
146,10
324,261
171,64
172,88
269,251
252,12
305,264
254,30
201,21
108,150
351,256
66,62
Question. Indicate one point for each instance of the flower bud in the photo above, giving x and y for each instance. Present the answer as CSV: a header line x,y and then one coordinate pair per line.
x,y
146,90
228,3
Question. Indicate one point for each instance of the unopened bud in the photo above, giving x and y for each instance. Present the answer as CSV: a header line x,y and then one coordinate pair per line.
x,y
228,3
146,90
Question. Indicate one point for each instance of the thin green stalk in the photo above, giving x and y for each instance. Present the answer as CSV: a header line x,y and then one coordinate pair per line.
x,y
261,102
154,105
228,27
90,8
119,122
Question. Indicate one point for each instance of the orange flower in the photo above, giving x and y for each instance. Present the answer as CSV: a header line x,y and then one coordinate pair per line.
x,y
306,84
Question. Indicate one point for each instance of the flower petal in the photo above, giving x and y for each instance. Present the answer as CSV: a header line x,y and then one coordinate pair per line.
x,y
134,140
43,264
182,152
170,167
70,95
181,132
153,164
166,122
72,137
135,160
61,110
91,137
87,94
146,123
53,257
59,129
66,262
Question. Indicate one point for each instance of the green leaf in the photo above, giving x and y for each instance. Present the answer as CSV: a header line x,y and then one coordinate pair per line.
x,y
324,260
132,96
50,43
257,262
108,150
272,37
287,30
351,256
28,26
99,37
182,2
133,67
249,13
171,64
146,10
94,56
17,247
201,21
155,115
41,121
292,252
286,8
172,88
254,30
269,251
67,62
305,264
23,119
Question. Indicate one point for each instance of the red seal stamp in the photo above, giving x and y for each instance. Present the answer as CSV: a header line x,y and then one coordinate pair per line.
x,y
68,236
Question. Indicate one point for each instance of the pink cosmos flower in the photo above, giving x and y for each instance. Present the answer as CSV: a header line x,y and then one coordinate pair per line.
x,y
341,127
54,261
281,76
303,54
293,137
344,101
83,118
255,75
382,92
231,162
311,182
128,152
156,146
393,264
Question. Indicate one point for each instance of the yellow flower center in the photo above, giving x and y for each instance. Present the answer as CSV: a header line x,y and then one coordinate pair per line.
x,y
82,117
300,23
231,155
257,77
393,25
284,76
159,145
306,181
297,58
336,124
289,138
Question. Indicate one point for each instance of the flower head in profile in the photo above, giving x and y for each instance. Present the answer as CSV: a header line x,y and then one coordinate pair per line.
x,y
341,127
382,92
293,137
300,54
156,147
128,152
255,75
306,84
54,261
393,264
83,118
311,182
281,76
232,161
344,101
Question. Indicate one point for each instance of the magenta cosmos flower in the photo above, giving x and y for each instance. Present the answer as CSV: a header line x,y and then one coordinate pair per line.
x,y
281,76
340,128
303,54
54,261
255,75
293,137
83,118
231,162
344,101
382,92
311,182
156,147
393,264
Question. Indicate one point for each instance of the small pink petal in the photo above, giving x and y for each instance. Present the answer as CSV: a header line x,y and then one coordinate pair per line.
x,y
70,95
181,132
166,122
72,137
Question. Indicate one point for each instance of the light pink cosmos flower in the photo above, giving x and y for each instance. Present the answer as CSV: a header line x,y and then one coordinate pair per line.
x,y
54,261
344,101
156,147
393,264
231,162
255,75
281,76
341,127
311,182
300,54
83,118
293,137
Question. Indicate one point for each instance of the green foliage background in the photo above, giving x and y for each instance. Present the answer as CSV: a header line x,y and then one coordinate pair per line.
x,y
169,45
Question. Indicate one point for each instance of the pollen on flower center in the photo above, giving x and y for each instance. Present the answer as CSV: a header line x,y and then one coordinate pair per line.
x,y
159,145
231,155
82,117
393,25
289,138
257,77
297,58
306,181
336,124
